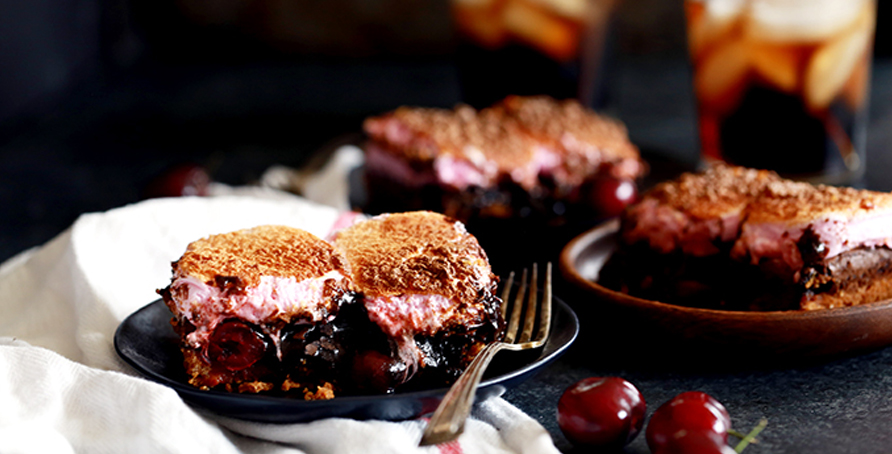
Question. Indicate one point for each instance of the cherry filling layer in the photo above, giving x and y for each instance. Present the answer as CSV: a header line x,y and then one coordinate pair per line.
x,y
235,345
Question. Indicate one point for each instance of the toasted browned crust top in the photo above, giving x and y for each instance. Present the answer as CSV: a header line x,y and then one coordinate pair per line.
x,y
762,196
417,252
548,120
506,133
716,191
452,132
795,203
269,250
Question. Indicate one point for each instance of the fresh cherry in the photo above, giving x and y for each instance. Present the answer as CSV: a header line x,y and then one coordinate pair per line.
x,y
235,345
601,412
695,442
180,180
610,196
688,412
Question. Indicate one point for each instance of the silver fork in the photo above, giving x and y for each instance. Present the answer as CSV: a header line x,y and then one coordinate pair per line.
x,y
448,421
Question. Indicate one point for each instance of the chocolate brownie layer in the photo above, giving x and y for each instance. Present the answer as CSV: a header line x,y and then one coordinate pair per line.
x,y
860,276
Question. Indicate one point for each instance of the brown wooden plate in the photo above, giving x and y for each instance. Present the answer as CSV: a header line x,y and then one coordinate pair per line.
x,y
805,334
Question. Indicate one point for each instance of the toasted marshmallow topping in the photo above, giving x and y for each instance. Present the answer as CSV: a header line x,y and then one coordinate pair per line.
x,y
415,253
666,229
838,234
841,235
462,173
411,314
842,219
696,211
521,138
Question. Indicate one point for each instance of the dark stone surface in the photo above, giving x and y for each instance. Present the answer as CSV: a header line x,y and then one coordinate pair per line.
x,y
829,405
839,407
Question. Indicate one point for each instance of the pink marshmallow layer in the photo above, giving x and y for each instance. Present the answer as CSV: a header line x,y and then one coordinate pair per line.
x,y
205,306
667,229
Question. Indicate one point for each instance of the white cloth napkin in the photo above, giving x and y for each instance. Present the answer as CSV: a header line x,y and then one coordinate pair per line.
x,y
63,388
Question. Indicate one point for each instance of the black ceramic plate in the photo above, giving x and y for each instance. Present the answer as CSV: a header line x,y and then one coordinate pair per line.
x,y
146,341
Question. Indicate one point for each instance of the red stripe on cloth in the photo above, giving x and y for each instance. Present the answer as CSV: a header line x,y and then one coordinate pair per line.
x,y
453,447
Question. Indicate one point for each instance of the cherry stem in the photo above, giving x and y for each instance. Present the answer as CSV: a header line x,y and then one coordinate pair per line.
x,y
750,437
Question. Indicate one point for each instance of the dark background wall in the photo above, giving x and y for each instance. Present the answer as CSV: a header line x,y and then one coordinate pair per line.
x,y
97,97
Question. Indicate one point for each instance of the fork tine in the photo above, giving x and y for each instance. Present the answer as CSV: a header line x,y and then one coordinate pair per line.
x,y
545,310
506,292
529,317
514,321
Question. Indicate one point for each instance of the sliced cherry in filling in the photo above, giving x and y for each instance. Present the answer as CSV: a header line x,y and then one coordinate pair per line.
x,y
377,372
235,345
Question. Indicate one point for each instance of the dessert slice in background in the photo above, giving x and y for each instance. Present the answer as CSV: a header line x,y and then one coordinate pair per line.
x,y
736,238
447,159
698,214
832,243
675,242
582,142
525,157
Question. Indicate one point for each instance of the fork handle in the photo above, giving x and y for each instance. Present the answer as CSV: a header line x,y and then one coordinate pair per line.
x,y
448,421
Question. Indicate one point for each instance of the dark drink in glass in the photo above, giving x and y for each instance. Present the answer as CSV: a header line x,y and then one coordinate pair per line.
x,y
530,47
783,84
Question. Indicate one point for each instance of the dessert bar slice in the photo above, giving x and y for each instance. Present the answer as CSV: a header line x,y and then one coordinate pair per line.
x,y
256,306
427,283
526,156
740,238
399,301
832,243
